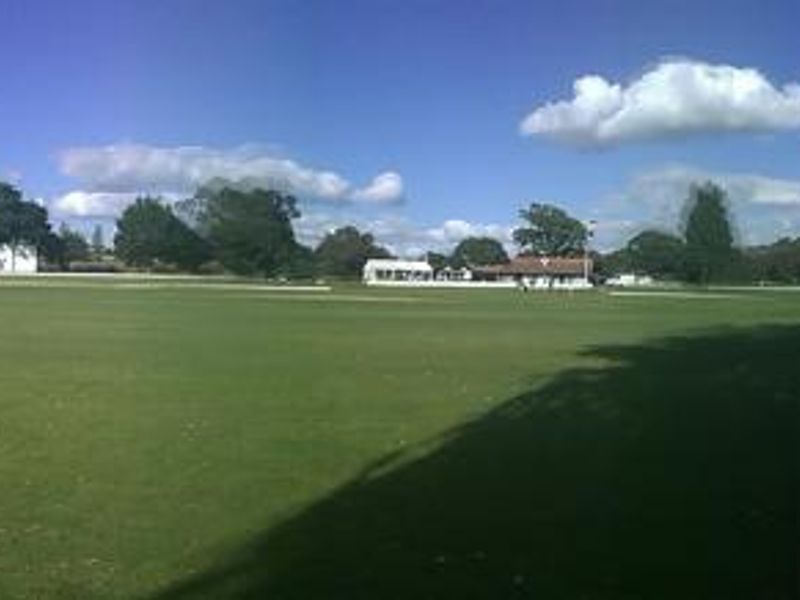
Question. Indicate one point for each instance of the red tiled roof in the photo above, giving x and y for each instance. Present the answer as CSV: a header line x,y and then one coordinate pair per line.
x,y
536,265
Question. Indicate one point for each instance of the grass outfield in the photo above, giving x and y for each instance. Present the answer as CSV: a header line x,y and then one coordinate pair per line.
x,y
181,443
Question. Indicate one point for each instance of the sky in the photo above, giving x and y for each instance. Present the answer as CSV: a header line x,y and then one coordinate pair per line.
x,y
420,121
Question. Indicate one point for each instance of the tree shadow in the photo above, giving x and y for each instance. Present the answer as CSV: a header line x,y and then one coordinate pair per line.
x,y
670,473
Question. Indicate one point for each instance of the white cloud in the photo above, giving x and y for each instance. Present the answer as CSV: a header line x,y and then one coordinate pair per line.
x,y
400,235
610,233
106,172
386,187
674,98
454,230
83,204
764,190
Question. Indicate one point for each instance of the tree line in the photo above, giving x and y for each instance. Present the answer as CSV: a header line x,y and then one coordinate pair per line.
x,y
227,228
224,228
705,249
242,231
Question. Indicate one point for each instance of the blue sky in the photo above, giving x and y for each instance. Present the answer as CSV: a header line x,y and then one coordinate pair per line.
x,y
407,117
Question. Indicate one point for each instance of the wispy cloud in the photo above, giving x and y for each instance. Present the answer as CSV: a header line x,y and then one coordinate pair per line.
x,y
12,176
676,97
762,208
91,204
107,175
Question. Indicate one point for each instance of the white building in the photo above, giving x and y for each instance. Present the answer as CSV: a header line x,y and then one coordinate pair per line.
x,y
540,273
451,274
528,273
380,271
629,280
24,260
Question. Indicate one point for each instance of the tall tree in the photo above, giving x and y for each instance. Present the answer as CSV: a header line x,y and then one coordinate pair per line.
x,y
149,234
707,230
478,251
142,232
550,231
22,224
250,229
657,253
344,251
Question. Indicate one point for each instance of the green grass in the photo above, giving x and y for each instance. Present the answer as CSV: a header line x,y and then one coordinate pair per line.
x,y
188,443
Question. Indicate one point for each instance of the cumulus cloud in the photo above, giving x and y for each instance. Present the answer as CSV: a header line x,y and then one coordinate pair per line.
x,y
675,97
386,187
107,173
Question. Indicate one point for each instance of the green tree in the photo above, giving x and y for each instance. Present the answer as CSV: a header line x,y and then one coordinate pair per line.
x,y
612,263
777,262
550,231
437,260
709,238
22,224
52,252
478,251
149,234
657,253
75,247
250,230
302,264
186,249
143,233
344,251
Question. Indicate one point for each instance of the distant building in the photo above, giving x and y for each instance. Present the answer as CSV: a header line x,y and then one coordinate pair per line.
x,y
379,271
24,260
526,272
629,280
451,274
540,272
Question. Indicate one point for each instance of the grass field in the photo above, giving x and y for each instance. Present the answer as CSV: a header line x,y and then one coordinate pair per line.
x,y
172,442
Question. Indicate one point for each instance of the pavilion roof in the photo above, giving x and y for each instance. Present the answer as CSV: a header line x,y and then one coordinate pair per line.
x,y
536,265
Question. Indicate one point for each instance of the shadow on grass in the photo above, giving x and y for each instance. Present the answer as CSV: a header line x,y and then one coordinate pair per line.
x,y
670,473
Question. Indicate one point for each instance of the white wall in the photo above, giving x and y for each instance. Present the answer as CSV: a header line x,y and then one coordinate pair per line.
x,y
25,261
432,283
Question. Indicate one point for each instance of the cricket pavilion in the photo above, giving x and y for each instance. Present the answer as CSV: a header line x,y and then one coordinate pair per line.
x,y
524,272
